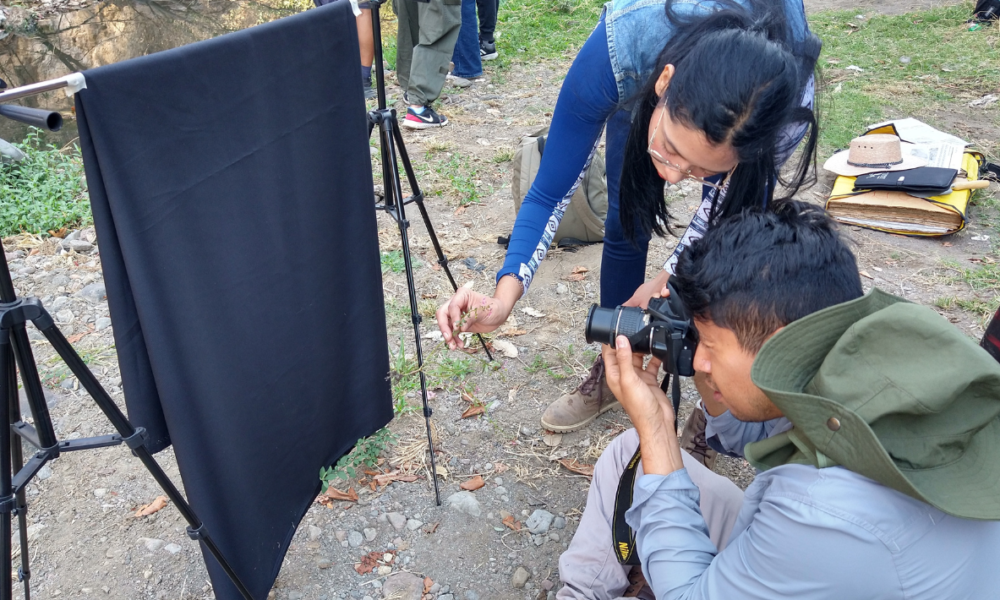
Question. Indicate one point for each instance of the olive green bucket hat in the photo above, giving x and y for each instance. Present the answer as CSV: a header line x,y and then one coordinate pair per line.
x,y
891,391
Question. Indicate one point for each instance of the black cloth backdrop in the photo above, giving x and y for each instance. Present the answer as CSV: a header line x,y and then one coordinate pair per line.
x,y
232,194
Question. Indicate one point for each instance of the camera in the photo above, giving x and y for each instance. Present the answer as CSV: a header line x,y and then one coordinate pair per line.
x,y
664,329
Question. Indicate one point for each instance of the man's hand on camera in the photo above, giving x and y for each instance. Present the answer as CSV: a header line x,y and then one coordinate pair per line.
x,y
476,313
647,406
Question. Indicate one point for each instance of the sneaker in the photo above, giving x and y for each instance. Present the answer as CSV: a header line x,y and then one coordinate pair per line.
x,y
576,410
487,50
424,119
366,84
693,439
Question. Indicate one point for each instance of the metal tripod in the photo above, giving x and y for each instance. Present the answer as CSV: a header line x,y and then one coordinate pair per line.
x,y
393,203
15,355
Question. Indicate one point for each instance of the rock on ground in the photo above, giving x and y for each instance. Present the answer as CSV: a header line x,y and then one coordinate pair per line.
x,y
403,586
539,521
520,578
465,502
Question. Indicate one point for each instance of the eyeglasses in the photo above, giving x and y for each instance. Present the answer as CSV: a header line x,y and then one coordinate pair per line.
x,y
685,173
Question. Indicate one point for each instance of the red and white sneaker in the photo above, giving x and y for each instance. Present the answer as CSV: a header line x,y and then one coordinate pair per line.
x,y
425,119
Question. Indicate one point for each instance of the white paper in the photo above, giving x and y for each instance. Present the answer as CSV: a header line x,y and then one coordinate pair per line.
x,y
938,148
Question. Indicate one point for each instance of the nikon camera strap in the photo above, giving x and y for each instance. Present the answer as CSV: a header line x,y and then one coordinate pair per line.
x,y
622,536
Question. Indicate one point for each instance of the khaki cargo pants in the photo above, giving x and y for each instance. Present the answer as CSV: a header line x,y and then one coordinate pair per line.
x,y
425,42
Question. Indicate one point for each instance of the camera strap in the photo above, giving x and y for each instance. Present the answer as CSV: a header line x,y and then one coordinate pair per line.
x,y
623,536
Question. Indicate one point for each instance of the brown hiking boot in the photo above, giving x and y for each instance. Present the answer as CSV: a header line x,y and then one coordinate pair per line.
x,y
693,439
575,410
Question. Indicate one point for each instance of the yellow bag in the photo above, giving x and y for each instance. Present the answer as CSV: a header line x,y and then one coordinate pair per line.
x,y
899,212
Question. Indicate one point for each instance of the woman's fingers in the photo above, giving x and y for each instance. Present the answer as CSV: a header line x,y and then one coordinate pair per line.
x,y
449,316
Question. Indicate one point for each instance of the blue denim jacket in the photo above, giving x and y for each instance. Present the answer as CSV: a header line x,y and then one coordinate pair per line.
x,y
634,25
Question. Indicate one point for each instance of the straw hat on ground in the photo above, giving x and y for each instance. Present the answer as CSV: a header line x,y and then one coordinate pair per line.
x,y
873,154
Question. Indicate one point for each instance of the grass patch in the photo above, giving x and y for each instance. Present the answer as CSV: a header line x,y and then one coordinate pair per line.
x,y
908,62
44,191
364,455
392,260
984,277
503,155
532,30
463,176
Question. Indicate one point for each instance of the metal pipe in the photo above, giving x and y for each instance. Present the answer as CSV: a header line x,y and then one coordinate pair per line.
x,y
74,81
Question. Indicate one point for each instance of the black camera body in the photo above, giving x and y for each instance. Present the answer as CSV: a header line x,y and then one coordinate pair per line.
x,y
664,329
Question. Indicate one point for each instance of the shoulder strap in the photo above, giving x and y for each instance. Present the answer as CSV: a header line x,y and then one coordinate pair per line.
x,y
622,535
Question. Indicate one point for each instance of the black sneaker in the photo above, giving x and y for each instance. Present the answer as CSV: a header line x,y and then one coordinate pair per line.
x,y
424,120
366,84
487,50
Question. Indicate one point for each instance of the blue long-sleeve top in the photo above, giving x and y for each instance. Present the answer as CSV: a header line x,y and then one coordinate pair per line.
x,y
588,97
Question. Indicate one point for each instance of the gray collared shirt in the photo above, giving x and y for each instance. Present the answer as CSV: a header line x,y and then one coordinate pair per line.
x,y
808,533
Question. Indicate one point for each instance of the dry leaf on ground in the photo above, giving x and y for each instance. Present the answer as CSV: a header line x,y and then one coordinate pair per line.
x,y
580,269
428,582
441,470
472,411
153,507
532,312
506,348
499,467
511,523
349,496
368,562
473,484
431,528
76,337
865,274
577,467
384,479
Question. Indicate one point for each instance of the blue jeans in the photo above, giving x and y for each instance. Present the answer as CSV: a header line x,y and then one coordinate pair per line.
x,y
468,64
623,264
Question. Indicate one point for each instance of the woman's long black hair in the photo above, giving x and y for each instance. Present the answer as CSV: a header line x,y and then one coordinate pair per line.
x,y
739,77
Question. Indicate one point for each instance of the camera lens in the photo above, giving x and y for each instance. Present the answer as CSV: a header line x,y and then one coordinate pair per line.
x,y
600,324
604,324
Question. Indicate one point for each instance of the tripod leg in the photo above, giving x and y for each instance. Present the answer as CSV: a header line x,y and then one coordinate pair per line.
x,y
6,486
17,460
124,427
418,197
389,128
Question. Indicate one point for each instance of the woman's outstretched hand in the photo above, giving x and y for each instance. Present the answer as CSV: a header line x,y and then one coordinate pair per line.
x,y
476,313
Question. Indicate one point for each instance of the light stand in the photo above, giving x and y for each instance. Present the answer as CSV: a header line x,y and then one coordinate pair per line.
x,y
393,203
16,356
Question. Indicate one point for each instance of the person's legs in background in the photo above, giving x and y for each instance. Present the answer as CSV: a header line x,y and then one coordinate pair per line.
x,y
468,64
407,34
367,44
432,42
487,26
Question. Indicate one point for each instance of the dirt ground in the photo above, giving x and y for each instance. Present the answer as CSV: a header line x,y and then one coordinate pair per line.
x,y
85,543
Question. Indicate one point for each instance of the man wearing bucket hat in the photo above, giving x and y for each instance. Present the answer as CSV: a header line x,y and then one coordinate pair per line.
x,y
873,422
